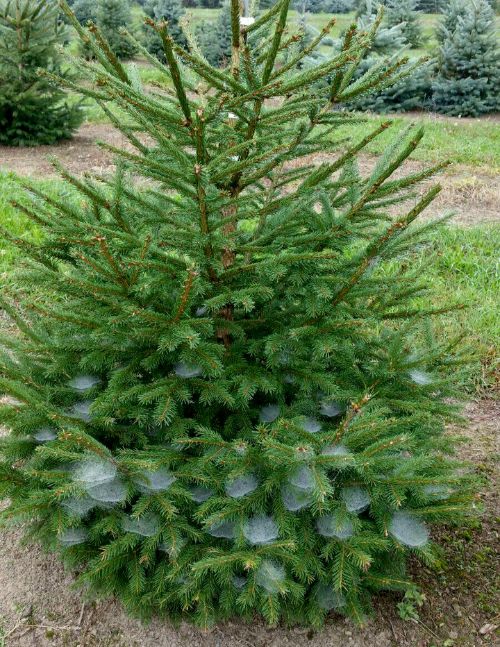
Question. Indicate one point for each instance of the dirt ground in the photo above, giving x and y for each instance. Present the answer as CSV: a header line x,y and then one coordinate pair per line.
x,y
39,608
474,196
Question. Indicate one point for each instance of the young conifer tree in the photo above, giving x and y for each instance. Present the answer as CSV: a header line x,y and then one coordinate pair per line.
x,y
388,38
32,110
113,16
170,11
85,12
404,12
220,405
468,77
214,38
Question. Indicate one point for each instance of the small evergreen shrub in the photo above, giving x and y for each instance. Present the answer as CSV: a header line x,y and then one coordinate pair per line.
x,y
430,6
225,398
338,6
32,110
468,76
112,17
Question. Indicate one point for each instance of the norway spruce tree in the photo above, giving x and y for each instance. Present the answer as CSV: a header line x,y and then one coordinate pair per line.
x,y
220,400
32,110
113,16
468,76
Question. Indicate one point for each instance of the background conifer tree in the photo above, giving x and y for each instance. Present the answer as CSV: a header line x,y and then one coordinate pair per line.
x,y
468,76
338,6
214,37
388,38
112,17
404,12
221,403
447,24
171,11
32,110
85,12
430,6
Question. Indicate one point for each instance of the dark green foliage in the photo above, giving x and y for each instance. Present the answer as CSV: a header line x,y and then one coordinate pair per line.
x,y
403,11
312,6
431,6
226,399
210,4
112,17
85,12
32,110
447,24
468,78
157,10
214,37
326,6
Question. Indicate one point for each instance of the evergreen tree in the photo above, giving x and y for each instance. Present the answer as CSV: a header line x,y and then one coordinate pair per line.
x,y
170,10
214,37
388,38
468,77
411,93
32,110
368,7
338,6
210,4
403,12
112,17
221,402
312,6
85,12
455,9
430,6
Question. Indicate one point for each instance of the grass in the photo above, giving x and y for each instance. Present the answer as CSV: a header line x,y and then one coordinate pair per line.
x,y
475,143
14,222
461,264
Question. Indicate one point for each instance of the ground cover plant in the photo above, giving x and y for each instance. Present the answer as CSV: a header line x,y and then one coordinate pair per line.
x,y
222,405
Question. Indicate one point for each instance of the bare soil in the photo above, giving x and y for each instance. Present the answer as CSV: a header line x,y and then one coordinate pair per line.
x,y
39,607
473,195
